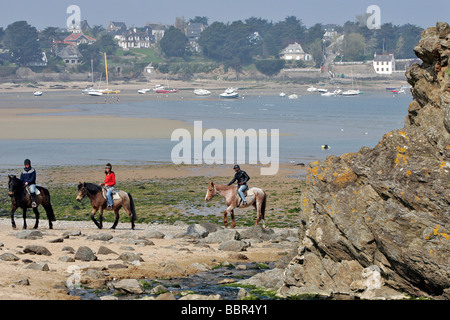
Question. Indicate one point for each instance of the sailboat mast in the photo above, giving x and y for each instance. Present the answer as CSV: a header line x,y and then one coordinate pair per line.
x,y
106,69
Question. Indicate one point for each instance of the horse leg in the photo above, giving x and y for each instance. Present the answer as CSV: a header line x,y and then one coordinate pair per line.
x,y
225,222
94,211
116,220
233,224
12,217
24,218
36,212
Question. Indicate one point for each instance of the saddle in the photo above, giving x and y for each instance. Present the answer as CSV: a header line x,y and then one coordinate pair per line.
x,y
36,193
247,193
115,194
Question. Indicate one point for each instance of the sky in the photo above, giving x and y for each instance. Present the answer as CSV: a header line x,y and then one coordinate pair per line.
x,y
45,13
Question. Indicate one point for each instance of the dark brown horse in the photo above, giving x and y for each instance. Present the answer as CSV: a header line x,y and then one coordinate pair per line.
x,y
20,198
256,197
95,194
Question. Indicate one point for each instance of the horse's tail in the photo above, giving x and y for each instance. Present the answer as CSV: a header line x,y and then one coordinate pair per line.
x,y
132,208
47,205
263,205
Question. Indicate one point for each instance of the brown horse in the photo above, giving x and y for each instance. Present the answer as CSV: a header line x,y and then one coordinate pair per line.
x,y
20,198
95,194
256,197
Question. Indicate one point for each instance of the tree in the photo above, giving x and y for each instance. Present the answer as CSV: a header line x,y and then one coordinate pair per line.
x,y
198,19
269,67
22,41
354,44
174,43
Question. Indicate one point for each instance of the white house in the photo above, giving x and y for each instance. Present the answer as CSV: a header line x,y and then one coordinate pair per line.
x,y
295,51
384,63
135,39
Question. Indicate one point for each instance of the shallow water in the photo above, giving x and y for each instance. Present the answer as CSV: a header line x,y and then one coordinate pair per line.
x,y
344,123
204,283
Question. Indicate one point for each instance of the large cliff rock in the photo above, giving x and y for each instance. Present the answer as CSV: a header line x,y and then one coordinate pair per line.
x,y
377,222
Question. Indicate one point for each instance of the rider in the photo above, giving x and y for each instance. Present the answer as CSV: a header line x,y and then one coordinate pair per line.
x,y
110,182
241,177
28,177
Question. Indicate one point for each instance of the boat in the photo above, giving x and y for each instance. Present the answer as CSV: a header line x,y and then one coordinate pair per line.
x,y
351,92
158,87
202,92
293,96
143,91
401,91
311,89
166,90
229,93
100,92
328,94
37,93
322,90
282,94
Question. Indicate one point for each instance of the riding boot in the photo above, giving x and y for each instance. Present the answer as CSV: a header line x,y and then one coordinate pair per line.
x,y
33,200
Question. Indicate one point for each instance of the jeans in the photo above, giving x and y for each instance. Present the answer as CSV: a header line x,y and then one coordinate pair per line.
x,y
32,188
109,192
241,190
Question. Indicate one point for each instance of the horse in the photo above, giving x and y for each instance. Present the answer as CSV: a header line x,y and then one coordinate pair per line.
x,y
20,198
98,201
256,197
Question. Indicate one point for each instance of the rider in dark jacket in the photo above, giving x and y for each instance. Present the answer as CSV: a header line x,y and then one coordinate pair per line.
x,y
242,178
28,177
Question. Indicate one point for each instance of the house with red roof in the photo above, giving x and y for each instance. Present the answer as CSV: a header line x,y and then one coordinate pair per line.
x,y
79,38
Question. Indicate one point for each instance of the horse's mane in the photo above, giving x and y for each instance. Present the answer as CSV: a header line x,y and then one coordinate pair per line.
x,y
93,188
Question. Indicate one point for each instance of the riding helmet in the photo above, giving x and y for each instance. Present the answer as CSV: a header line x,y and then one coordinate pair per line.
x,y
236,166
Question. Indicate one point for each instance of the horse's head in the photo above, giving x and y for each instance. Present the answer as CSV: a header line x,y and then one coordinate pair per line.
x,y
14,185
82,191
211,192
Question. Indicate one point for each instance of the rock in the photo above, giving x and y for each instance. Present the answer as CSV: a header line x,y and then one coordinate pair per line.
x,y
166,296
38,266
258,232
159,289
196,231
85,254
173,269
100,236
154,234
69,249
201,297
234,245
8,257
117,266
72,233
270,279
95,274
222,236
127,286
130,257
23,282
105,250
29,234
197,267
386,206
66,259
39,250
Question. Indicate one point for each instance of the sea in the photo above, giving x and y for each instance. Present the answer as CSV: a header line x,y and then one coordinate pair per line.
x,y
305,126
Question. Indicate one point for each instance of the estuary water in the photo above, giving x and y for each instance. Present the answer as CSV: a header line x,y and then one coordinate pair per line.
x,y
305,124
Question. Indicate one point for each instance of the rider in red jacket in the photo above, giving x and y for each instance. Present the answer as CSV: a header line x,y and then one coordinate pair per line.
x,y
110,182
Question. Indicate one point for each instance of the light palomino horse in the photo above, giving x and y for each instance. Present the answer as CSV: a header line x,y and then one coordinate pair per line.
x,y
256,197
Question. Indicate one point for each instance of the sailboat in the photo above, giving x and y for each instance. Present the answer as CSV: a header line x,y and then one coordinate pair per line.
x,y
100,92
166,88
351,92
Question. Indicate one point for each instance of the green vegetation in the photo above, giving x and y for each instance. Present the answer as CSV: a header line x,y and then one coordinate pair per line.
x,y
168,201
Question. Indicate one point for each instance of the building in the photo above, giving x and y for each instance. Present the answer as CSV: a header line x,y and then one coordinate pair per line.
x,y
79,38
70,55
295,51
384,63
135,39
39,63
117,27
193,33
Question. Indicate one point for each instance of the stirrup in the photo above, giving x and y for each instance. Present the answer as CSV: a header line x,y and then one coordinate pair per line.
x,y
33,204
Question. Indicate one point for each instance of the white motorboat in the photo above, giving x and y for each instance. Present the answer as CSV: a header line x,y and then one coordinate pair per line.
x,y
229,93
95,93
158,87
293,96
282,94
202,92
351,92
322,90
143,91
328,94
37,93
311,89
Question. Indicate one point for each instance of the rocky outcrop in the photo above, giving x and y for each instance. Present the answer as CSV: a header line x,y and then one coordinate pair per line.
x,y
378,220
